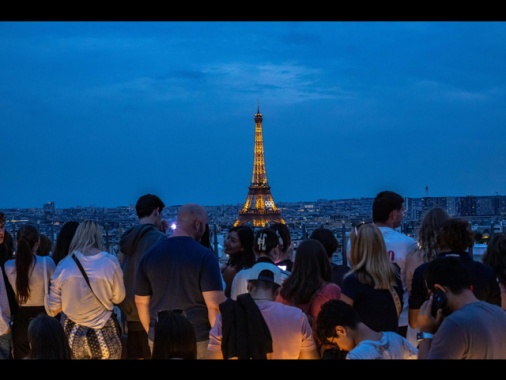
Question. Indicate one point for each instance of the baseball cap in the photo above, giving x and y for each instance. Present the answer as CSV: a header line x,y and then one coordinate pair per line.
x,y
265,272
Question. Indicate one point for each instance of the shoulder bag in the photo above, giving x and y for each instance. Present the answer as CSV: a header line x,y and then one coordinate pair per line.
x,y
397,301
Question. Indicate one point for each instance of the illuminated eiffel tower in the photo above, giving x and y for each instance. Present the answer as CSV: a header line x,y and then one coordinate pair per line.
x,y
259,208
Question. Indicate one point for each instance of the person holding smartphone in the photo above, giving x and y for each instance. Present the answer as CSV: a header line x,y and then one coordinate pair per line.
x,y
454,238
464,327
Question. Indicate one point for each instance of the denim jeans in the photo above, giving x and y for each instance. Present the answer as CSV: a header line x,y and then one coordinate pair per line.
x,y
5,345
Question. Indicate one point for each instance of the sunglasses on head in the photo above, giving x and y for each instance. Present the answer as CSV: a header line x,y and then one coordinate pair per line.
x,y
357,227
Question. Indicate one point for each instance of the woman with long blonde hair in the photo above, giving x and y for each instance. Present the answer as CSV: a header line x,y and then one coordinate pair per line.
x,y
89,305
373,285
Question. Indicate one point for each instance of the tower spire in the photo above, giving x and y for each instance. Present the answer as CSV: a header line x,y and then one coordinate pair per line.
x,y
259,208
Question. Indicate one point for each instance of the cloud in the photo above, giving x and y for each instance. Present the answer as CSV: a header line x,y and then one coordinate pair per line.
x,y
445,92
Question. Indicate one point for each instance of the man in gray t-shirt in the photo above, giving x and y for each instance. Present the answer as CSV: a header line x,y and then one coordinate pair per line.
x,y
464,326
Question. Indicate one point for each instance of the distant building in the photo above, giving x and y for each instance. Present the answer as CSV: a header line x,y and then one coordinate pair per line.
x,y
468,206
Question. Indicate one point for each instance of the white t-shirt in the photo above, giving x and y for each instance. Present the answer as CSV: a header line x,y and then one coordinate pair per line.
x,y
390,346
398,246
70,291
35,280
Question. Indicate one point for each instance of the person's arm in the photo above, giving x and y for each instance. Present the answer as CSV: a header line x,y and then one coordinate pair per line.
x,y
417,295
214,350
412,318
53,304
54,312
5,311
118,285
212,299
427,323
142,303
228,276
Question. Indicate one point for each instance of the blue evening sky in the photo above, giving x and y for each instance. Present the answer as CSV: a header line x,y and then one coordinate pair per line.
x,y
99,113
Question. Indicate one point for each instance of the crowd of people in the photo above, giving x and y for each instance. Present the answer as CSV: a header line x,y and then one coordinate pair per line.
x,y
169,297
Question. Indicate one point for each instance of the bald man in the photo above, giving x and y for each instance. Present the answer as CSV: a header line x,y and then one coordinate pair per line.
x,y
180,273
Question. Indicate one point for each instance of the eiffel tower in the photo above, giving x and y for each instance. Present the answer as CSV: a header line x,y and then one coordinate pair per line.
x,y
259,208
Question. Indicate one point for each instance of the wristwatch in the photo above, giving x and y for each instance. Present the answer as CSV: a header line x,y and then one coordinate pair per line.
x,y
424,335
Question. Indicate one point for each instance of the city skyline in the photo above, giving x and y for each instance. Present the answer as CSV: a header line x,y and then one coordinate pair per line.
x,y
98,113
471,202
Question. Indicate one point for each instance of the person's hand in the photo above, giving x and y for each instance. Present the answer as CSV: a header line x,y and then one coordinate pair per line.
x,y
426,322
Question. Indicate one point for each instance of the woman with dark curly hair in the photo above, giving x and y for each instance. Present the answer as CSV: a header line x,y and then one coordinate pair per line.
x,y
455,238
427,243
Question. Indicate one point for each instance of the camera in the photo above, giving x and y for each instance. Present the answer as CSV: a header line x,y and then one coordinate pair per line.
x,y
438,301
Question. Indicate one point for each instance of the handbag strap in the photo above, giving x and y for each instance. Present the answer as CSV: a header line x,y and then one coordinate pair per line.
x,y
87,279
397,301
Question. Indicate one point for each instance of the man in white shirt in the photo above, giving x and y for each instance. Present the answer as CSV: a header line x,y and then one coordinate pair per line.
x,y
387,213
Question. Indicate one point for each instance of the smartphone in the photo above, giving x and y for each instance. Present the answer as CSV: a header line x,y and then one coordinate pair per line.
x,y
438,301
